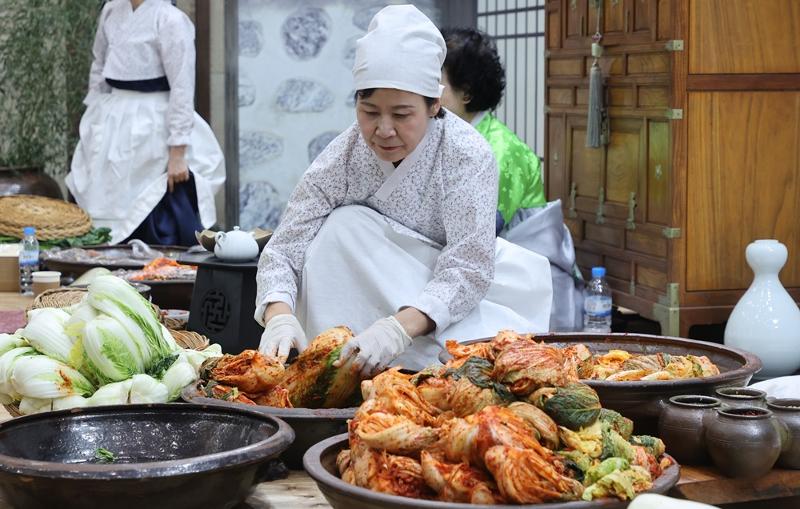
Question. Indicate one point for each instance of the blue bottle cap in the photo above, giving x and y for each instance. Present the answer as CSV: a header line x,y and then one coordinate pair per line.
x,y
29,230
598,272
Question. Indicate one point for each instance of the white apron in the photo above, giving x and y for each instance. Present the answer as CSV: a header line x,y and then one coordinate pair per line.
x,y
119,170
359,269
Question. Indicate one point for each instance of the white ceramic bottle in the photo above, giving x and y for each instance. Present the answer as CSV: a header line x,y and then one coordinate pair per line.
x,y
766,320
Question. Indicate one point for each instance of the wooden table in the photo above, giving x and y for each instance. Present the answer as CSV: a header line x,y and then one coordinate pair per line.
x,y
777,490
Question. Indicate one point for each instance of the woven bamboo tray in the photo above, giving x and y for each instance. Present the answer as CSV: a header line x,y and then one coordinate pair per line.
x,y
53,219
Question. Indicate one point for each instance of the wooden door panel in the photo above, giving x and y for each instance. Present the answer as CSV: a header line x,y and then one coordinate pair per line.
x,y
553,27
585,165
651,278
743,184
744,36
612,25
658,173
641,19
623,162
575,13
649,63
664,22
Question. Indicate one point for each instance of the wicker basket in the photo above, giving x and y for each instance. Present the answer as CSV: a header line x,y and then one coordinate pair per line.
x,y
58,298
53,219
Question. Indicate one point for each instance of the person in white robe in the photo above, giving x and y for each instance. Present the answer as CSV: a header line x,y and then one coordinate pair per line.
x,y
146,165
391,230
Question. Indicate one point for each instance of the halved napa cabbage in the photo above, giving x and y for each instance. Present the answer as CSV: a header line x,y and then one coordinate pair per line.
x,y
116,393
111,350
29,406
146,389
8,393
39,376
45,332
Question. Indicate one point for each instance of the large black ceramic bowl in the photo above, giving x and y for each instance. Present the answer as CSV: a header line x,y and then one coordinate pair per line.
x,y
320,463
642,401
166,456
310,425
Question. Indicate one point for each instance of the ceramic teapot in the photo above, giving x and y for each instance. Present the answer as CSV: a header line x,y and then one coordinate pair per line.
x,y
235,245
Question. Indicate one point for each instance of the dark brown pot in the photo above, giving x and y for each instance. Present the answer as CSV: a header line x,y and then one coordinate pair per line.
x,y
681,427
788,412
743,442
28,180
737,397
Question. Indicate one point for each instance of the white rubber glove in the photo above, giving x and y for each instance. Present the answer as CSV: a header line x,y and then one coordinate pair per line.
x,y
373,350
281,334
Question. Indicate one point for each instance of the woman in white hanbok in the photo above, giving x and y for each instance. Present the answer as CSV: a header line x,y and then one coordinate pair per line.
x,y
147,166
391,230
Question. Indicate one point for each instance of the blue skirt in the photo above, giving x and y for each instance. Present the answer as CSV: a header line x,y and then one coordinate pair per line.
x,y
174,220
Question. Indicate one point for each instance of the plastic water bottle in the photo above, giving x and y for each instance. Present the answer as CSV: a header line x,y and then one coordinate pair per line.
x,y
597,303
28,260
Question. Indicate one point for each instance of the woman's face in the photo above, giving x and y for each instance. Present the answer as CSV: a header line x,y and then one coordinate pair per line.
x,y
454,99
393,122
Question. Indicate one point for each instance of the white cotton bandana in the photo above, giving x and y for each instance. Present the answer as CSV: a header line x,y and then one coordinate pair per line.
x,y
402,49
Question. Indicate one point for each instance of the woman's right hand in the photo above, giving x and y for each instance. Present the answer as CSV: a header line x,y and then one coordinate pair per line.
x,y
282,333
177,169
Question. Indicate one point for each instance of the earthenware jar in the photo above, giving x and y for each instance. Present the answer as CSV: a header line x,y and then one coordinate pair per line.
x,y
766,320
735,397
680,426
743,442
28,180
788,412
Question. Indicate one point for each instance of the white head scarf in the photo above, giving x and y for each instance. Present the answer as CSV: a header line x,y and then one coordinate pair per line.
x,y
402,49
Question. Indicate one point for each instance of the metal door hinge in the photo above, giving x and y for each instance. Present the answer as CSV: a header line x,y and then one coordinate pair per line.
x,y
601,198
630,223
672,298
674,45
573,191
671,233
674,114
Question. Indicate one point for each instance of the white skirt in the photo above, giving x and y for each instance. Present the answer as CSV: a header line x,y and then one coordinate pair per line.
x,y
344,284
119,169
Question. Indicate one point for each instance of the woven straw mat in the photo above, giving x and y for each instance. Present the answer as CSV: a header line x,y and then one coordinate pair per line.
x,y
53,219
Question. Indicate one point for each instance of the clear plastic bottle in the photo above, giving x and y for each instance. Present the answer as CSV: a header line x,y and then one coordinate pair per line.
x,y
597,303
28,260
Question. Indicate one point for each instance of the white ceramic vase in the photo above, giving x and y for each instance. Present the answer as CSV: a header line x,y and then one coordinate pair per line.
x,y
766,320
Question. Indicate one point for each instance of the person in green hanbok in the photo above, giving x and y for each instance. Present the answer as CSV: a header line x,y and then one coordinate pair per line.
x,y
474,81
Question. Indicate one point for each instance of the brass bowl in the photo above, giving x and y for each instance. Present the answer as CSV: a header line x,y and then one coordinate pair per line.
x,y
643,401
310,425
320,464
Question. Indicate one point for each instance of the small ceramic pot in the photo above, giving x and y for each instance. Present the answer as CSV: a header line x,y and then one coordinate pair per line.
x,y
788,412
737,397
743,442
681,427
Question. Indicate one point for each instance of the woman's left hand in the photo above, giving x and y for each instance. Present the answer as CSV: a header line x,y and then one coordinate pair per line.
x,y
177,169
373,350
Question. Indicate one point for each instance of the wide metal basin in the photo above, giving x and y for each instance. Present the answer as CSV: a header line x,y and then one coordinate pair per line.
x,y
172,456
